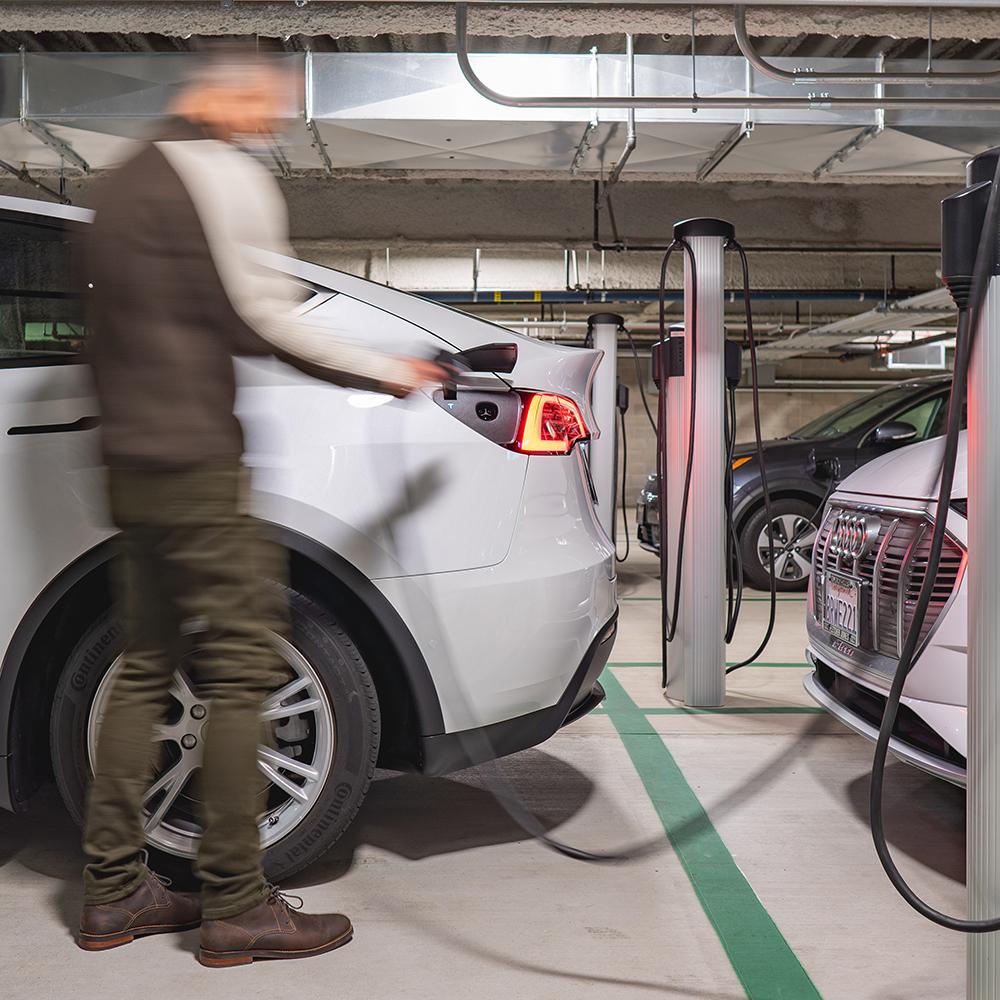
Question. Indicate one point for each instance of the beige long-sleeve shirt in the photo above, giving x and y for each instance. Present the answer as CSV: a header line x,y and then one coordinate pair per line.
x,y
178,292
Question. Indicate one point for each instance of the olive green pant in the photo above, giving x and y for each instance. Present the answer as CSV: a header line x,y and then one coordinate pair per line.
x,y
191,586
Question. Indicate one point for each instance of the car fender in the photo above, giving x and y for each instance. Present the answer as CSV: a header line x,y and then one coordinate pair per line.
x,y
747,499
424,694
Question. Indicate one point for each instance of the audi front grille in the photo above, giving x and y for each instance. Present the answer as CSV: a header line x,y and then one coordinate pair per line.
x,y
892,571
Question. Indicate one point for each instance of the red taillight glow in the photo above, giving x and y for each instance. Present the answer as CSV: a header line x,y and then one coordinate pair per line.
x,y
550,425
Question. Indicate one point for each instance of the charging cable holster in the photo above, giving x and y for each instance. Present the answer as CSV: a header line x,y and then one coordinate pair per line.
x,y
734,364
667,358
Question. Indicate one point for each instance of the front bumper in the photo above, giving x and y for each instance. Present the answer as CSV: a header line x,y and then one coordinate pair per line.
x,y
449,752
860,708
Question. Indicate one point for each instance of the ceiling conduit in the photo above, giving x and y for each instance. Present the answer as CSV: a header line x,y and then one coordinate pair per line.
x,y
805,76
817,101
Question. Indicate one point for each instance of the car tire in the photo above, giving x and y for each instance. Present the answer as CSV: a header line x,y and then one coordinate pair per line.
x,y
789,515
339,681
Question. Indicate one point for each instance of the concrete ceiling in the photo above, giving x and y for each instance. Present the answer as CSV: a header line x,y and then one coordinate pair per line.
x,y
432,218
344,20
172,25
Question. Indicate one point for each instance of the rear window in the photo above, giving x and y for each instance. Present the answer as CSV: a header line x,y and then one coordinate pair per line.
x,y
41,309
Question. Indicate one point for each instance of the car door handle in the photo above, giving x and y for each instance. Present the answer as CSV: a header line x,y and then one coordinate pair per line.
x,y
83,424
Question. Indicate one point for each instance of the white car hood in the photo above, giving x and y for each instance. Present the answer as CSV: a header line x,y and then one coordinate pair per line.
x,y
910,473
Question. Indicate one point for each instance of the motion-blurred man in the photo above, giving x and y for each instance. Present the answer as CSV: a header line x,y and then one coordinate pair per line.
x,y
175,297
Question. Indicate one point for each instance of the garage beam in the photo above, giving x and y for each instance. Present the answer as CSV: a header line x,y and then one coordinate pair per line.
x,y
834,219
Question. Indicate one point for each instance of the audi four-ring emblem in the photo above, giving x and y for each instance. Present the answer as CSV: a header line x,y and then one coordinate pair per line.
x,y
852,535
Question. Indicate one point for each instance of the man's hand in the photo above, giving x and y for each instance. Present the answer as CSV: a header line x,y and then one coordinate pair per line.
x,y
414,373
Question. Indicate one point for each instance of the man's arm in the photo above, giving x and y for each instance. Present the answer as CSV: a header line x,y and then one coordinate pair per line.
x,y
240,208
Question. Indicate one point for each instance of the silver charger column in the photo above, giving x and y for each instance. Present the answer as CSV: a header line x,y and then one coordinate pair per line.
x,y
696,663
983,796
602,331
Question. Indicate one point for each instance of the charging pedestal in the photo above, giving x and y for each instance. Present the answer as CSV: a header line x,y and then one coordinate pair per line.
x,y
959,241
696,662
602,334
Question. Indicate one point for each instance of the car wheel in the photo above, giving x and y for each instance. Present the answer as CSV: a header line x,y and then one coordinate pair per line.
x,y
314,766
793,534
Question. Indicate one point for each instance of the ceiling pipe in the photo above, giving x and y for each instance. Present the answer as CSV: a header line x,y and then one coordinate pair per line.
x,y
842,250
519,297
817,101
793,77
616,170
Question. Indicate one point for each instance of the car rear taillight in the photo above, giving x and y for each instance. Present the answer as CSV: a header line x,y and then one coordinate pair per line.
x,y
550,425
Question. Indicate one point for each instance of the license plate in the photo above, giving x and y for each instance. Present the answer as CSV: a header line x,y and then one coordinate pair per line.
x,y
840,607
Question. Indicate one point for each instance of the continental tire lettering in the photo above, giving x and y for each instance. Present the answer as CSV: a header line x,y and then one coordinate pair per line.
x,y
340,795
95,656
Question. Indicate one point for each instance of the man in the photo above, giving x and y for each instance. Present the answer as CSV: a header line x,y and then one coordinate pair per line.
x,y
175,296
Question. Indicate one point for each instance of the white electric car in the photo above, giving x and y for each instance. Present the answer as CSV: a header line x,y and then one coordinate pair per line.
x,y
452,590
869,563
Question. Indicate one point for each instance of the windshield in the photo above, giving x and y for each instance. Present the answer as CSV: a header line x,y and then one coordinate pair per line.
x,y
855,414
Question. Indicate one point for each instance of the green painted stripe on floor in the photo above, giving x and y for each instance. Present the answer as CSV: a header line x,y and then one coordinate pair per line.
x,y
761,958
737,710
751,600
656,663
727,710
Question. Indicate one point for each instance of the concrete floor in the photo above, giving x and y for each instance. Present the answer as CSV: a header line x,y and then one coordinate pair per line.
x,y
769,887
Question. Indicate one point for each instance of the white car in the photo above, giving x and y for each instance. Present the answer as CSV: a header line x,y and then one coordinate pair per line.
x,y
869,562
452,590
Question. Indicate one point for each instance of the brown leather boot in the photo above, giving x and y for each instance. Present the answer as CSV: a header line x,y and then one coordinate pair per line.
x,y
271,930
151,909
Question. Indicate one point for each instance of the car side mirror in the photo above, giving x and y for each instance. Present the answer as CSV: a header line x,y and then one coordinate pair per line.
x,y
895,432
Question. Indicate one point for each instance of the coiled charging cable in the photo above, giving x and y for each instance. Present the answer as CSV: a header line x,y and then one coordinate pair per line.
x,y
968,321
732,244
669,611
475,743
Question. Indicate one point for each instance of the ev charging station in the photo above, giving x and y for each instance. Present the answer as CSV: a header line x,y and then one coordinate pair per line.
x,y
694,533
602,334
983,803
964,216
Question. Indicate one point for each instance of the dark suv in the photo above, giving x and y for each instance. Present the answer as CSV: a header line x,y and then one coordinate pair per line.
x,y
800,468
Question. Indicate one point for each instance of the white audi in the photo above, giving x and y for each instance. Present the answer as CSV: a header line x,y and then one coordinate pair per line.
x,y
452,590
869,563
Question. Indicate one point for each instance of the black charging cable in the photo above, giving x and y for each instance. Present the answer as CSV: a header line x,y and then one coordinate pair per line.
x,y
669,611
733,244
734,557
640,381
475,743
968,320
621,401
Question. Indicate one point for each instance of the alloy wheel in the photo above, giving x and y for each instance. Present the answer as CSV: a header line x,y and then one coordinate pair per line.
x,y
294,758
793,536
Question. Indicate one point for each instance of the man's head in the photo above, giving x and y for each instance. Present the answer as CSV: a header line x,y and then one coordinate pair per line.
x,y
237,93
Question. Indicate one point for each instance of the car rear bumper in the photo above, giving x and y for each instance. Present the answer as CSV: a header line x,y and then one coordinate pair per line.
x,y
646,528
860,708
448,752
